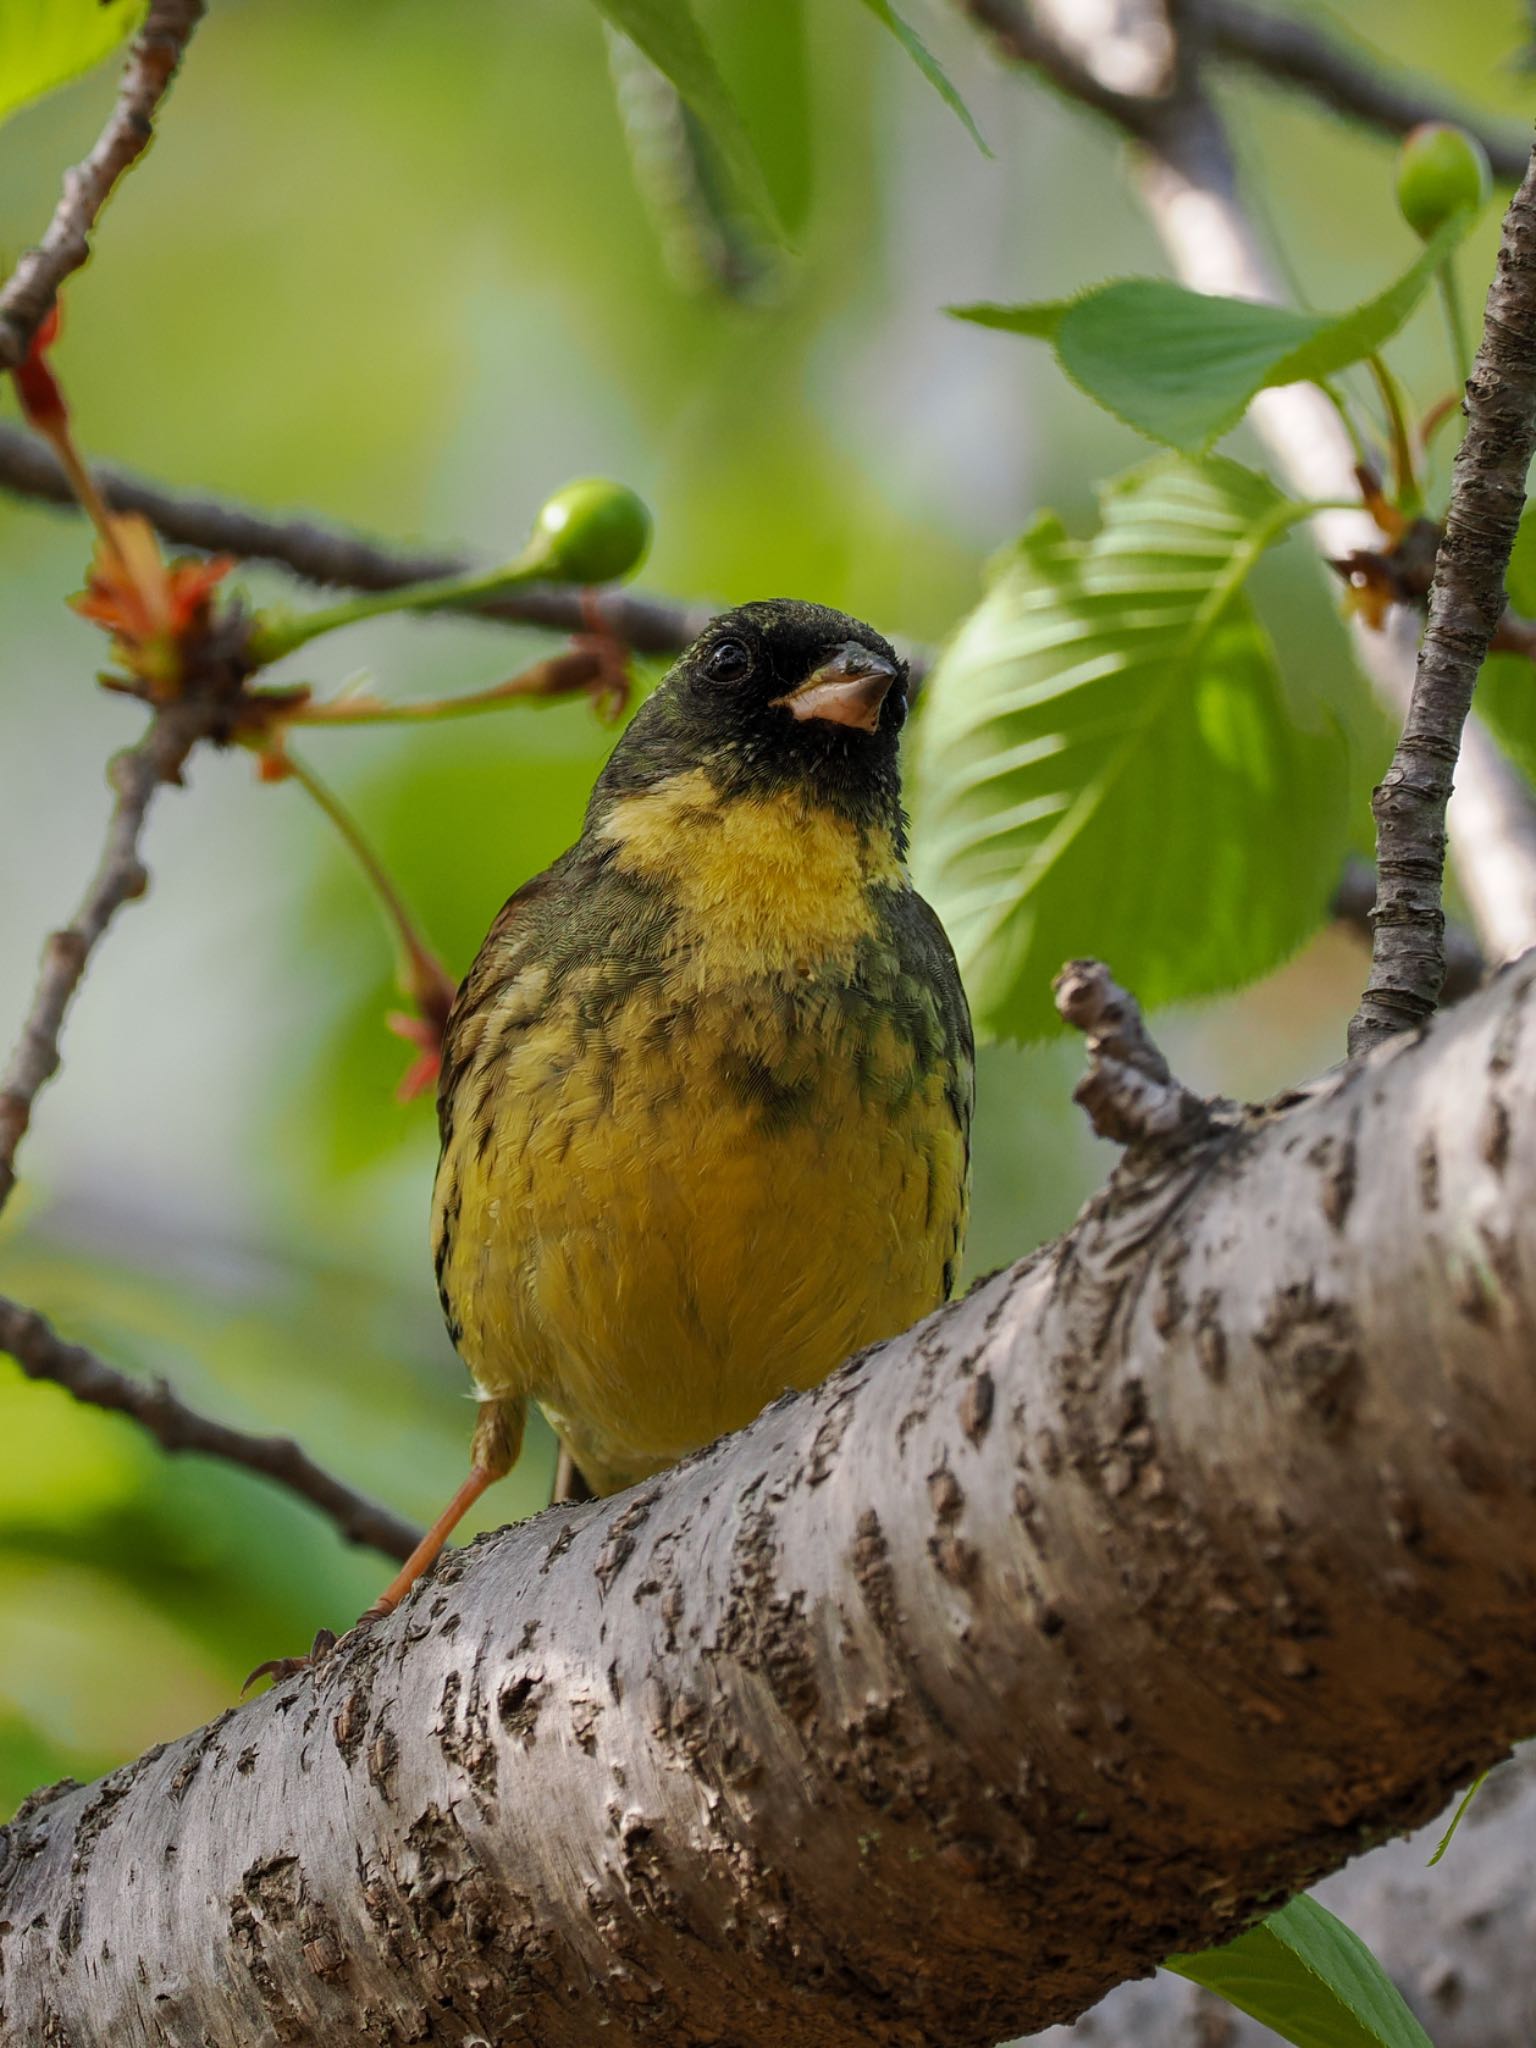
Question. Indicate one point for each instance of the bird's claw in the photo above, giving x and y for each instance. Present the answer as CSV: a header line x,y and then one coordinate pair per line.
x,y
279,1668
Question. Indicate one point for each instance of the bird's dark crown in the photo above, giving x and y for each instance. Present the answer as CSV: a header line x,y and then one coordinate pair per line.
x,y
723,708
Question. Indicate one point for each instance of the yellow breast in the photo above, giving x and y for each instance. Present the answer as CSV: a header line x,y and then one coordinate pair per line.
x,y
740,1177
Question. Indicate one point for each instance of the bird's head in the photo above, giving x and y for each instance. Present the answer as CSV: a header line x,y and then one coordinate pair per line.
x,y
778,696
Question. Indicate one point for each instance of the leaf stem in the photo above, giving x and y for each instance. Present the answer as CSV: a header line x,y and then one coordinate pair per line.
x,y
422,975
274,637
1455,320
1340,404
560,675
1409,494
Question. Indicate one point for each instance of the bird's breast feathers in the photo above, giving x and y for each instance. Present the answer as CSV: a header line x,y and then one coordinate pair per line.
x,y
701,1148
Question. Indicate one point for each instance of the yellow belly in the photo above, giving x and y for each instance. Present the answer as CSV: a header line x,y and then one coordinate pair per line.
x,y
722,1196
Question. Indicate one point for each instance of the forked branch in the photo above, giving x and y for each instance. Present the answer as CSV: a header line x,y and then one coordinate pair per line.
x,y
32,287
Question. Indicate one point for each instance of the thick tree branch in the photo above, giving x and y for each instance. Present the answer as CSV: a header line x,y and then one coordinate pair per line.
x,y
1456,1939
1290,52
1017,36
43,1354
1466,602
333,557
1296,53
1117,1601
33,285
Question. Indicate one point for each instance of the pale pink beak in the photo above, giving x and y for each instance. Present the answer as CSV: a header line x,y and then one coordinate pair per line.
x,y
847,690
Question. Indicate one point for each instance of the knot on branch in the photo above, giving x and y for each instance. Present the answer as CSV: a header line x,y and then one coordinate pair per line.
x,y
1129,1091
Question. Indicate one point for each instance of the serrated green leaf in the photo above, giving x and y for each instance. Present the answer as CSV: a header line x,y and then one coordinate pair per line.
x,y
1183,367
1309,1977
46,43
928,64
672,39
1109,761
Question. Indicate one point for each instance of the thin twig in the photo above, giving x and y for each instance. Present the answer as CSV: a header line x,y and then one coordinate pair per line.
x,y
1466,602
1129,1091
1296,53
33,285
43,1354
334,558
1187,177
120,877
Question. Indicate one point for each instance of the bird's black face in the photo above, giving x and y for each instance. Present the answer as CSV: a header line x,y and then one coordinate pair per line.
x,y
781,693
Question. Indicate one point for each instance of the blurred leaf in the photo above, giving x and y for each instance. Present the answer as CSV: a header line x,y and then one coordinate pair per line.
x,y
1183,367
670,36
1306,1975
928,64
1110,763
765,48
46,43
70,1633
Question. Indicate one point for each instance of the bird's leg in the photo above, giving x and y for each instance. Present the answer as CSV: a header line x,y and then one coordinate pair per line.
x,y
493,1452
570,1485
497,1440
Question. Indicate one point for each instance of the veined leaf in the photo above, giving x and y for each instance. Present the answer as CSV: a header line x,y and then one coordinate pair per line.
x,y
668,33
46,43
928,64
1306,1975
1109,761
1183,367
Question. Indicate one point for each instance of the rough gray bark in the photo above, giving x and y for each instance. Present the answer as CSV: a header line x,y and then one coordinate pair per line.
x,y
1466,601
1137,1590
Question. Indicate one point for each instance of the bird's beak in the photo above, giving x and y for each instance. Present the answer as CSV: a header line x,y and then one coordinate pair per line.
x,y
847,690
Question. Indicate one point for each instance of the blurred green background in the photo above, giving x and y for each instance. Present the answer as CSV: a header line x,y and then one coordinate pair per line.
x,y
388,263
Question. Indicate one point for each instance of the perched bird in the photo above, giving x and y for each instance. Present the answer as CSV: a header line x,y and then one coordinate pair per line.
x,y
706,1090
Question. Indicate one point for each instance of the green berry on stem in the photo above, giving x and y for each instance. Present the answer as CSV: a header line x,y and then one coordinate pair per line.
x,y
593,531
1441,171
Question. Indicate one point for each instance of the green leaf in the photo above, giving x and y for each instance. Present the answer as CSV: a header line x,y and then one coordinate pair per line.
x,y
765,51
1109,761
1306,1975
46,43
670,36
1183,367
1042,319
928,64
1457,1818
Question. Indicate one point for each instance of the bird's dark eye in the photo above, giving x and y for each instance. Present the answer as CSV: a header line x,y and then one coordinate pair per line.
x,y
728,662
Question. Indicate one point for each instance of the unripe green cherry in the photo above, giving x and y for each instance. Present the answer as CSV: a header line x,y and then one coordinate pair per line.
x,y
593,531
1440,171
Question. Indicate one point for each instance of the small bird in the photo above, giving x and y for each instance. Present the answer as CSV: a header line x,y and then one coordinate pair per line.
x,y
706,1091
